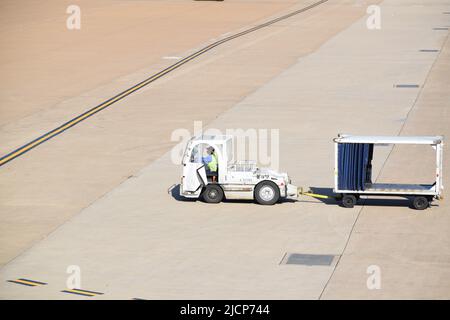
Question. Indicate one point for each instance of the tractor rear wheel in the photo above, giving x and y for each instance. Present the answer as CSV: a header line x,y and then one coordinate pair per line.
x,y
267,193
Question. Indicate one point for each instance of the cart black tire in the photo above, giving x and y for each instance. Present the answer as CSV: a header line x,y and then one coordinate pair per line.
x,y
348,200
267,193
212,193
421,203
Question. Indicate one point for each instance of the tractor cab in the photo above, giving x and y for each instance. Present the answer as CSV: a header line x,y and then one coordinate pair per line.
x,y
232,179
195,171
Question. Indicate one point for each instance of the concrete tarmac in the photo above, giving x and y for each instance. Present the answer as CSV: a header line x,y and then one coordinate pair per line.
x,y
136,241
96,156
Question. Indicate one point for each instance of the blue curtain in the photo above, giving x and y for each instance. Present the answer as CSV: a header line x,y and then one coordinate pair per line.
x,y
354,165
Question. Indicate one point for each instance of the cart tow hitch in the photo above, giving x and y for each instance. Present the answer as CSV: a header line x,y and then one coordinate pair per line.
x,y
314,195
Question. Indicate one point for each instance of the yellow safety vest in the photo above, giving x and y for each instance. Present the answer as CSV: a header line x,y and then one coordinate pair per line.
x,y
212,166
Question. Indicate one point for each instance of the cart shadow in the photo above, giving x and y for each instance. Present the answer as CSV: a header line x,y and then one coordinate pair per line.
x,y
375,202
326,192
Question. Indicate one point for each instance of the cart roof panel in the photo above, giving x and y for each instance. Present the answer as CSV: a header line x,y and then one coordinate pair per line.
x,y
344,138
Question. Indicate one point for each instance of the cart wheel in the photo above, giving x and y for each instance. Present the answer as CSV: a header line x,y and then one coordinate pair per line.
x,y
267,193
420,203
348,200
212,194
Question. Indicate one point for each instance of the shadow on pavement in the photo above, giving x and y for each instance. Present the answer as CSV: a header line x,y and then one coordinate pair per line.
x,y
175,193
371,201
376,202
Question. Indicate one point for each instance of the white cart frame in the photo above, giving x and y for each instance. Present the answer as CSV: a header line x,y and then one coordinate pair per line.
x,y
428,191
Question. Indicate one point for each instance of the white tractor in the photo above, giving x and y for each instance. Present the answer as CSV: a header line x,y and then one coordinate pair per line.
x,y
233,179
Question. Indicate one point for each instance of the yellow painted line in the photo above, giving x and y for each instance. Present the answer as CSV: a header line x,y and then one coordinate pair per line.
x,y
30,145
28,282
82,292
79,293
83,117
23,282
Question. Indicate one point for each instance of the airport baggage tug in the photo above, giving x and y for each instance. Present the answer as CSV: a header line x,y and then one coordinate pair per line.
x,y
353,173
353,166
234,179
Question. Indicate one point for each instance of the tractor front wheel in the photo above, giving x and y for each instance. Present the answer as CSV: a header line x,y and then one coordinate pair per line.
x,y
213,193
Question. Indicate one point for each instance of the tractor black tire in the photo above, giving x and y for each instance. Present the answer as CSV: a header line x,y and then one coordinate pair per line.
x,y
420,203
212,193
267,193
348,200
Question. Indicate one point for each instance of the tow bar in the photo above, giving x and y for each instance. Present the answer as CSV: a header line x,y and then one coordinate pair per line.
x,y
314,195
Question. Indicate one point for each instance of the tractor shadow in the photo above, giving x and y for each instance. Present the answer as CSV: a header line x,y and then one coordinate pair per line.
x,y
175,193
